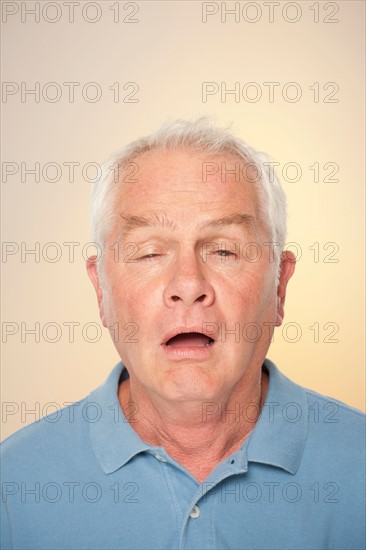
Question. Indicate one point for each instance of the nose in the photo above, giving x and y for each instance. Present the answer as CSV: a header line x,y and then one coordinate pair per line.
x,y
188,282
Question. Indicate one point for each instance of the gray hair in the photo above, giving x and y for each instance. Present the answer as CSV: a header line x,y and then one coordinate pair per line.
x,y
199,135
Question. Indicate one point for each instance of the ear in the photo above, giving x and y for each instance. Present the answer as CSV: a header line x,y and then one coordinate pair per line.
x,y
91,267
287,267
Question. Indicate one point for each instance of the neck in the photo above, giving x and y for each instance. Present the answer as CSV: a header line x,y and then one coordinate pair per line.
x,y
197,434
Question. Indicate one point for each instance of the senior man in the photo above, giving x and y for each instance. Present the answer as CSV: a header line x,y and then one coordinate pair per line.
x,y
196,440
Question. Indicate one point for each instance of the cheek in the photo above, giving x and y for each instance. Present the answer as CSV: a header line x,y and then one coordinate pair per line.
x,y
253,298
129,299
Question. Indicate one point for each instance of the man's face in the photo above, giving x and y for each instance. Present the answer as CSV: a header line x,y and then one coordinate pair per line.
x,y
170,275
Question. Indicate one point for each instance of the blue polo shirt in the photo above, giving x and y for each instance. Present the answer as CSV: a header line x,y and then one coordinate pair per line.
x,y
82,478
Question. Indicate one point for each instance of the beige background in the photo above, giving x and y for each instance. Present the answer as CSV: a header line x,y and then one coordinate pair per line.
x,y
169,52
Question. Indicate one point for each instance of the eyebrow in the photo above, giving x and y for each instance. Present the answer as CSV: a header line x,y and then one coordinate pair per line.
x,y
131,223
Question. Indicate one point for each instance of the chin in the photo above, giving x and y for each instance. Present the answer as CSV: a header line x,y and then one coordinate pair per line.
x,y
189,383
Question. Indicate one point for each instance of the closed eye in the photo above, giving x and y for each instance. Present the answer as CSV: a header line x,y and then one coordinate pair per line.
x,y
148,257
226,252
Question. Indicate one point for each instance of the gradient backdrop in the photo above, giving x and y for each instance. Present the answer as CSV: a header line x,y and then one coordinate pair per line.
x,y
313,52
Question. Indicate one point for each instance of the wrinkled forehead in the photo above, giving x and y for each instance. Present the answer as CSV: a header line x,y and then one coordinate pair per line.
x,y
186,188
194,175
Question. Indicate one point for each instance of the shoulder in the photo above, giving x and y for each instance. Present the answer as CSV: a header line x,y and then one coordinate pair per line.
x,y
300,403
326,410
49,437
336,434
332,433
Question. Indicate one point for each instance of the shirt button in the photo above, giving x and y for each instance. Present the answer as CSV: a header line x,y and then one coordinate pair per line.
x,y
195,512
161,458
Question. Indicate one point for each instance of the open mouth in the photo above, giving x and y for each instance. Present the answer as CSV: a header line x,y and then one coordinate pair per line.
x,y
189,339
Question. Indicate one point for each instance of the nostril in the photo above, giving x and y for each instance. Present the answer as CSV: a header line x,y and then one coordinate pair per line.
x,y
176,298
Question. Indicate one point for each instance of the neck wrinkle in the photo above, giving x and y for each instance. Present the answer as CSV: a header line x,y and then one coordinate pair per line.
x,y
189,443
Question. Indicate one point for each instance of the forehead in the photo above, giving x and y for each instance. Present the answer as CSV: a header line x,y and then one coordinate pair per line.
x,y
188,176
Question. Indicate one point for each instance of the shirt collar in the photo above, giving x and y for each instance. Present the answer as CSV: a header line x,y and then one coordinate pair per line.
x,y
280,434
278,438
113,440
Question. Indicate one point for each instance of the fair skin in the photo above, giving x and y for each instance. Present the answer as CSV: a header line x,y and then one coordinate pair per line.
x,y
180,398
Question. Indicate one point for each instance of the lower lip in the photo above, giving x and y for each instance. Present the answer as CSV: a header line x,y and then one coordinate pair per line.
x,y
188,352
